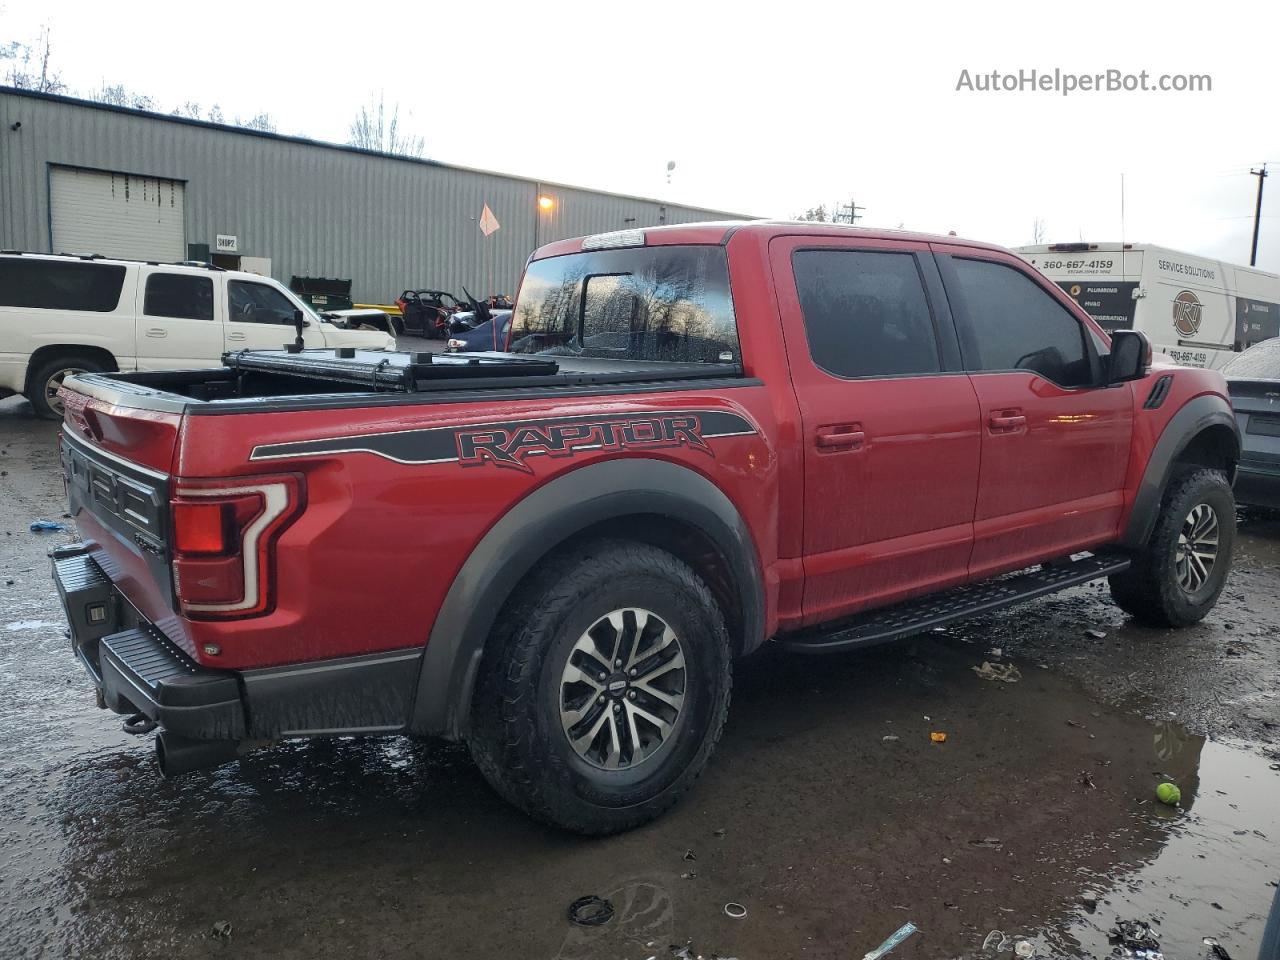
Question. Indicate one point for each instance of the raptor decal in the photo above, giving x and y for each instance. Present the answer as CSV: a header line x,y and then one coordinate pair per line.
x,y
510,443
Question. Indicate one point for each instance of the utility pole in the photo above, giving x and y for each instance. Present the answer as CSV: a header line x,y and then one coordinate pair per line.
x,y
1257,214
847,214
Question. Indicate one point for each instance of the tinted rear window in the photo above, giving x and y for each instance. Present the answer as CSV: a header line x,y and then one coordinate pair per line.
x,y
60,285
667,303
865,313
178,295
1259,362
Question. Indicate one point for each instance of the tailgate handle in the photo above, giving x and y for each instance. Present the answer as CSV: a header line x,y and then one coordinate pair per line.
x,y
840,436
157,332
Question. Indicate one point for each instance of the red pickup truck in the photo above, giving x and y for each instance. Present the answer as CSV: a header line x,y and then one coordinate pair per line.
x,y
701,438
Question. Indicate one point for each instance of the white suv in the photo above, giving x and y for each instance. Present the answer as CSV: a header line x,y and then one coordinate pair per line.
x,y
61,315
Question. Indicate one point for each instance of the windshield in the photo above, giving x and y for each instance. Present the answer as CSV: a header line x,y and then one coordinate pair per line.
x,y
668,303
1259,362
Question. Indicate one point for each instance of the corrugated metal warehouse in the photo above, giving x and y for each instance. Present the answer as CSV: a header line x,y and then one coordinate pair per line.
x,y
84,177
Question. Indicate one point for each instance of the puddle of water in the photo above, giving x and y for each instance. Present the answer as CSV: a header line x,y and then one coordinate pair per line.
x,y
1221,852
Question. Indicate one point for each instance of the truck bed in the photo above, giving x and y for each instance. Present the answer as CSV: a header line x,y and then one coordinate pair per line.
x,y
276,380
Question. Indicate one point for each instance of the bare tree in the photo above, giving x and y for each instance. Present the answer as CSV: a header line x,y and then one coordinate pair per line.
x,y
261,121
30,68
1037,230
120,96
375,129
816,214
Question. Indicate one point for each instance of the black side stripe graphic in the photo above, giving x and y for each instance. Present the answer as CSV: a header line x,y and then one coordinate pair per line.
x,y
508,443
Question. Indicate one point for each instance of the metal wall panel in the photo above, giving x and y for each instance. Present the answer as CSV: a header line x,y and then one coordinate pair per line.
x,y
314,210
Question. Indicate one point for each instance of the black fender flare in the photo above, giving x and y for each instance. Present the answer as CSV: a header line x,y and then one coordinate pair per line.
x,y
536,525
1197,415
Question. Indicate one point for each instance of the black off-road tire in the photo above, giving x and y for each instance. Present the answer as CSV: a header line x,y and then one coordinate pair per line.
x,y
39,378
1149,590
517,737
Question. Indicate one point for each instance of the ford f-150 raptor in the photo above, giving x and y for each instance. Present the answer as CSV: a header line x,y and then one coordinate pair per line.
x,y
700,438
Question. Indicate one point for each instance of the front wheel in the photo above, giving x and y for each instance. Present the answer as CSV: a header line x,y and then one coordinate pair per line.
x,y
605,690
1177,578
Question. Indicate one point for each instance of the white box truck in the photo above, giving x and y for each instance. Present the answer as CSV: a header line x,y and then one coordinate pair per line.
x,y
1198,312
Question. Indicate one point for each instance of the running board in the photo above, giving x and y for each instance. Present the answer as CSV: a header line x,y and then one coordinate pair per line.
x,y
960,603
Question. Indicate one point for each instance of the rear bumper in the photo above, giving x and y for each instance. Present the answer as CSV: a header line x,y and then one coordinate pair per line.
x,y
134,666
137,669
1258,482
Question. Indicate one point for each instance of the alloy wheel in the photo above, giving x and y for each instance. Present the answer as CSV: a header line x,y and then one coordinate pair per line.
x,y
1197,549
52,385
622,691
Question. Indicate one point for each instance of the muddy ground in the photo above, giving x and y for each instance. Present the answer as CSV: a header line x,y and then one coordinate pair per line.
x,y
828,812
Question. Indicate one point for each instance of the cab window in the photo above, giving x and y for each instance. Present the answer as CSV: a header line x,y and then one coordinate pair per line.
x,y
1013,324
258,303
865,313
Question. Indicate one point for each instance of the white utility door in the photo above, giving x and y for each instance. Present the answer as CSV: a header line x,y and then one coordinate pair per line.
x,y
176,323
116,215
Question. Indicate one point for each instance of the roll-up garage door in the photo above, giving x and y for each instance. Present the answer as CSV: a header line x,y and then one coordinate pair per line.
x,y
116,214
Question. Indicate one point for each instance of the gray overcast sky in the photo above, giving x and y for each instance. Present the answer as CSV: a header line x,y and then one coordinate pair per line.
x,y
766,109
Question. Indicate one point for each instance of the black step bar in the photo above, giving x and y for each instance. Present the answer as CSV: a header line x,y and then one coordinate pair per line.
x,y
960,603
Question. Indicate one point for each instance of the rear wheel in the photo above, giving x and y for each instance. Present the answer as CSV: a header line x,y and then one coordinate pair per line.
x,y
606,689
43,383
1176,580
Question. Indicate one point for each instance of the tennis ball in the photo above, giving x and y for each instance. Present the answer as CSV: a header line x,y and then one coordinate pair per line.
x,y
1169,793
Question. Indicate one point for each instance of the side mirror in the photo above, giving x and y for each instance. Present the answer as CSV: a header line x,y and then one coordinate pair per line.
x,y
1130,357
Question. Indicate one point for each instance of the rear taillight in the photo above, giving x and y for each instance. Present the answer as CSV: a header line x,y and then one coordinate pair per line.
x,y
223,535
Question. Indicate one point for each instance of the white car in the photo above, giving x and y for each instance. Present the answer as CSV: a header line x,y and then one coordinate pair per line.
x,y
61,315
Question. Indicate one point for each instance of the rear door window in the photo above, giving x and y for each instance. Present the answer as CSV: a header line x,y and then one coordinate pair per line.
x,y
178,295
865,313
1014,324
60,285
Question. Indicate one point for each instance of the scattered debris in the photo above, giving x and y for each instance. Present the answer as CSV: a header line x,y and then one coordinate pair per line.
x,y
895,938
1169,794
1096,634
734,911
590,911
938,736
1086,779
996,652
40,526
890,739
690,855
1024,949
1090,904
718,833
1217,949
995,940
988,843
222,929
1004,672
691,875
1137,938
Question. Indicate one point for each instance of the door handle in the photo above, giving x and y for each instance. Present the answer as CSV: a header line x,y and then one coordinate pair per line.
x,y
157,332
840,436
234,335
1007,421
